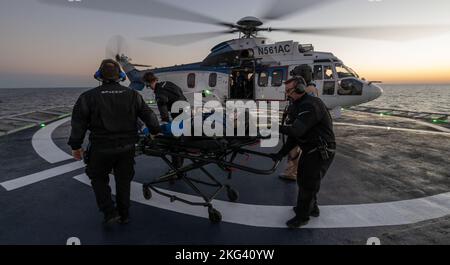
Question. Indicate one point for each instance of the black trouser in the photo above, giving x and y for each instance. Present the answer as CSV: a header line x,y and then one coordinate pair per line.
x,y
102,161
311,170
177,161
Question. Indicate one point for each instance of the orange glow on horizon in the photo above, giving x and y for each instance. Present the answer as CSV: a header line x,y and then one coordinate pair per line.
x,y
408,76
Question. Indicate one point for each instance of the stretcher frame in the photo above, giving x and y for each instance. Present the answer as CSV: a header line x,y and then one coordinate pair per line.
x,y
223,158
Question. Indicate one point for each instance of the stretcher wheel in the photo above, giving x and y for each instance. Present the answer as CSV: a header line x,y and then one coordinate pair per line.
x,y
214,215
233,195
147,193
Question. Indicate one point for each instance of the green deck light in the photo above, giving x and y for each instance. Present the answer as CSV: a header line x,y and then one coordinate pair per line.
x,y
207,92
43,125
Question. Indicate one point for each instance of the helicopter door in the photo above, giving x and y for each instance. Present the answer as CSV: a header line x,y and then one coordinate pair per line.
x,y
241,84
269,84
325,79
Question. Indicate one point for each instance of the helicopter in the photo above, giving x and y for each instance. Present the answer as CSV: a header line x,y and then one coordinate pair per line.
x,y
249,67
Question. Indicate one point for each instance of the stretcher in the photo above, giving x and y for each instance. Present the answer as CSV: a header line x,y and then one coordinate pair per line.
x,y
200,152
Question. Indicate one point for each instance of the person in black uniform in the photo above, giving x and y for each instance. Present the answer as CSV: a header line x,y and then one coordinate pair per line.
x,y
110,113
166,94
305,74
312,131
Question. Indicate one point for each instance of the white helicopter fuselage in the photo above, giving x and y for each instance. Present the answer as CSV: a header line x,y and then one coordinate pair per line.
x,y
265,68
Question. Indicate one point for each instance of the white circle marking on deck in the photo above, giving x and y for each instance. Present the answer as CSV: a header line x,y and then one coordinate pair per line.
x,y
336,216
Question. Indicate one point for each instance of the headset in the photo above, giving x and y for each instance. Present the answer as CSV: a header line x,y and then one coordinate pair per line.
x,y
300,84
99,76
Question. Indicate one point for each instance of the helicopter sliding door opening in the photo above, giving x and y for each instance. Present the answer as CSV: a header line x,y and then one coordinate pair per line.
x,y
242,84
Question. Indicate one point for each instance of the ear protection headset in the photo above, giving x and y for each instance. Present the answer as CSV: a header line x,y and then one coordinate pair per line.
x,y
119,78
300,85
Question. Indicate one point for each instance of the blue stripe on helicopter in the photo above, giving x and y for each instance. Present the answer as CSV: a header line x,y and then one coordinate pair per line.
x,y
221,46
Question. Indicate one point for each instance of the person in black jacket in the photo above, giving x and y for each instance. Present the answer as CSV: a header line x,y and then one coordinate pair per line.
x,y
166,94
312,131
110,112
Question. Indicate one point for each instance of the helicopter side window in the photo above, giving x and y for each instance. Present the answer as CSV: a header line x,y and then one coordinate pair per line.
x,y
328,72
318,72
328,88
263,79
191,80
213,80
350,87
277,78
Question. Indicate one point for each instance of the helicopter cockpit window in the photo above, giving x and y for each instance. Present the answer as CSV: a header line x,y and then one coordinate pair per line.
x,y
212,80
191,80
277,78
318,72
343,71
263,79
350,87
328,72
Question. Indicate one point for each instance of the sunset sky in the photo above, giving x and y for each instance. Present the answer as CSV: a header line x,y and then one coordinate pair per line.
x,y
49,46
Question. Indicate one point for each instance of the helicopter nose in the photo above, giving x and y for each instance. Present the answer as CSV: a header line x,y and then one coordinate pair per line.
x,y
376,92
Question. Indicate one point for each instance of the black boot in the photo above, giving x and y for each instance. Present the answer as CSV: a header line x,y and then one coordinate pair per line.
x,y
297,222
110,218
315,212
124,217
124,220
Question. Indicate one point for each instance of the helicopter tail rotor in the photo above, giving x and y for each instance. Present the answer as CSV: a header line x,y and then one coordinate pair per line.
x,y
116,47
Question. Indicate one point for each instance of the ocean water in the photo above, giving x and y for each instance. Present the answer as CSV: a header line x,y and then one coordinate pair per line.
x,y
423,98
420,98
20,100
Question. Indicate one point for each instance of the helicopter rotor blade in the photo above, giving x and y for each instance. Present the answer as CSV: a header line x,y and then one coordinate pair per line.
x,y
395,33
183,39
146,8
283,8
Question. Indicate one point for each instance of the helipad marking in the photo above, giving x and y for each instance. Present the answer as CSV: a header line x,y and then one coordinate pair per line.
x,y
338,216
434,126
45,147
391,128
40,176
